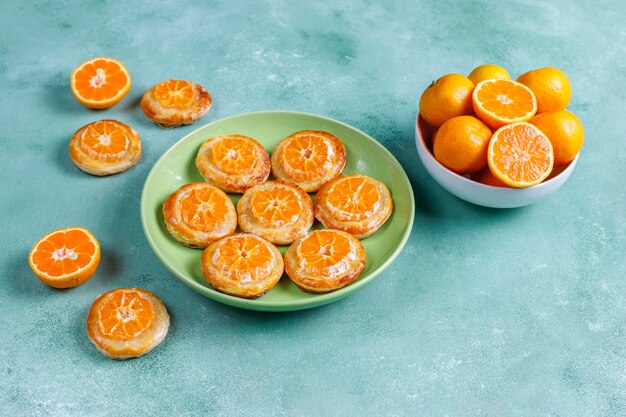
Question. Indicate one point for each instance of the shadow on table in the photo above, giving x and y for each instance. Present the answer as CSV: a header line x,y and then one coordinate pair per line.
x,y
255,318
110,267
447,205
59,96
21,278
62,157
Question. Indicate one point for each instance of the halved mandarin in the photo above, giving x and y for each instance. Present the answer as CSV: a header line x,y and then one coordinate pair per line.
x,y
233,163
356,204
127,323
100,82
498,102
279,211
105,147
243,265
309,158
520,155
324,260
65,258
173,103
198,213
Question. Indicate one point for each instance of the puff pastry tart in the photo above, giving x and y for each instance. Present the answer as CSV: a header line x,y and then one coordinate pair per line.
x,y
357,204
309,158
198,213
279,211
233,163
173,103
243,265
105,147
127,322
324,260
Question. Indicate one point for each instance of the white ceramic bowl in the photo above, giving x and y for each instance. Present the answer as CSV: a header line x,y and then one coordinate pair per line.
x,y
481,194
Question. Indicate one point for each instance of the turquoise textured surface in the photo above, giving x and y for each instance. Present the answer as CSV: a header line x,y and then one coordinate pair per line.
x,y
485,313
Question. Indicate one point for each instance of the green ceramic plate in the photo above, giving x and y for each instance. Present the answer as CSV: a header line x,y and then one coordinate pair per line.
x,y
365,156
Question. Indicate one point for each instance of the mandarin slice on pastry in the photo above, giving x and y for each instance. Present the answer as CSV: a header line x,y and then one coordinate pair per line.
x,y
309,158
198,213
357,204
127,323
243,265
173,103
233,163
324,260
105,147
279,211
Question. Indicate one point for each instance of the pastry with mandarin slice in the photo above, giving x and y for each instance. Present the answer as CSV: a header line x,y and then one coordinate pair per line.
x,y
198,213
279,211
324,260
233,163
356,204
173,103
127,323
105,147
309,158
243,265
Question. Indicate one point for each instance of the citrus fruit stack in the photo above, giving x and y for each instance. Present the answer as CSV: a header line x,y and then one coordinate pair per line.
x,y
502,132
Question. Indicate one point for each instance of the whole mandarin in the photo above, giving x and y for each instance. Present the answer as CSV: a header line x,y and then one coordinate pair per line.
x,y
449,96
462,144
488,72
551,87
565,132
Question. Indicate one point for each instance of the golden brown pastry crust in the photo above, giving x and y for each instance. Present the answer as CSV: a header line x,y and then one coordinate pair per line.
x,y
239,180
191,235
279,231
226,278
142,343
333,160
101,165
169,117
331,278
361,224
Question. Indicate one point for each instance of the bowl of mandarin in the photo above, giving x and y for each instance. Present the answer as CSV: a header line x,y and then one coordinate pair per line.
x,y
498,142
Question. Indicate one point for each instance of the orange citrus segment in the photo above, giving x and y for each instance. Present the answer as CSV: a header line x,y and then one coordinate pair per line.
x,y
307,157
204,208
244,258
100,82
176,94
125,314
500,101
66,257
275,206
105,140
355,198
520,155
324,249
234,155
